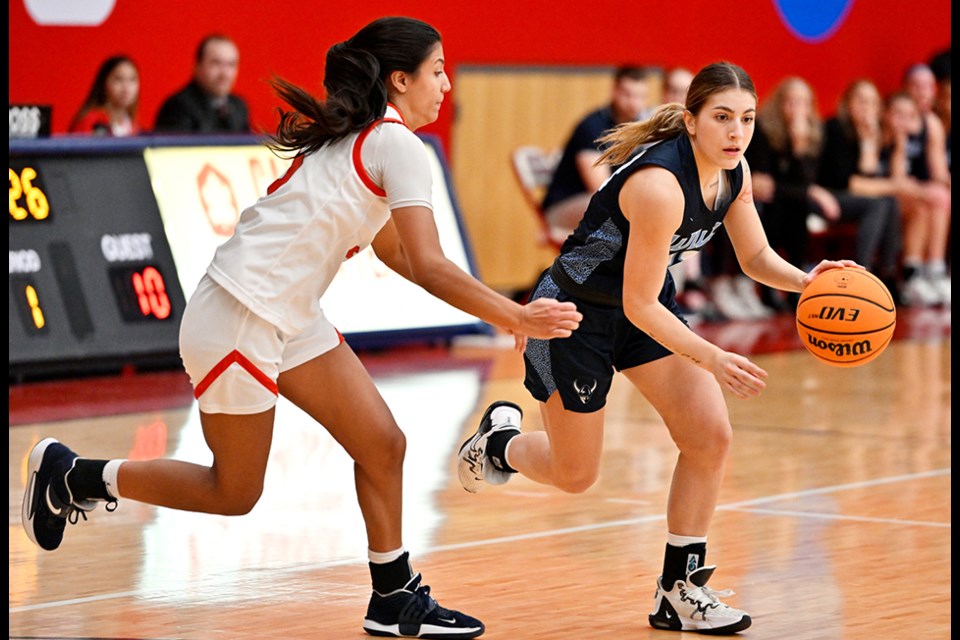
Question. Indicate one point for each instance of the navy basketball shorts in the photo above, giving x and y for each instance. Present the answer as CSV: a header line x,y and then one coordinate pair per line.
x,y
581,367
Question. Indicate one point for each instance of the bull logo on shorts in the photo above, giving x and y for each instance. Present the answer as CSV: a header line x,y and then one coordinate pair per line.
x,y
584,391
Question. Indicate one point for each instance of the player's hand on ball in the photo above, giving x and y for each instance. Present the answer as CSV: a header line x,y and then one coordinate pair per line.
x,y
547,318
738,375
826,265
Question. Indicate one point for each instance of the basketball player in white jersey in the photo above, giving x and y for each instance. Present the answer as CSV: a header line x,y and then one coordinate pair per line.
x,y
254,327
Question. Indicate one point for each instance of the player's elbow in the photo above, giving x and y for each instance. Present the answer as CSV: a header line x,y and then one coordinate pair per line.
x,y
429,274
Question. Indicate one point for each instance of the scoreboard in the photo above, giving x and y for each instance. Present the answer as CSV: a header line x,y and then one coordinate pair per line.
x,y
92,279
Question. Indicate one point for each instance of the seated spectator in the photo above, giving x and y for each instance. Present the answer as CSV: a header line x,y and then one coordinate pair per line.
x,y
110,108
940,65
576,178
925,200
923,86
784,160
206,104
942,108
852,168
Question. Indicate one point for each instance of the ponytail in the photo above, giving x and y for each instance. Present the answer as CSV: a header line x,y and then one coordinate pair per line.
x,y
666,122
355,98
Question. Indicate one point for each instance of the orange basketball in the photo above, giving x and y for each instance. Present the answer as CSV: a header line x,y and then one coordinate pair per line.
x,y
846,317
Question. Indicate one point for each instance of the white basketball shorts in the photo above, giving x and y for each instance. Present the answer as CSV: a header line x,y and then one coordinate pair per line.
x,y
234,357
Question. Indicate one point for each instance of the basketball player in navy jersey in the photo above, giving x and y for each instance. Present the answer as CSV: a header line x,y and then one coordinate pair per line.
x,y
254,327
663,202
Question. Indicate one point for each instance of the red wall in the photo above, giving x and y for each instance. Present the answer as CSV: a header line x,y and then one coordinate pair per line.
x,y
877,39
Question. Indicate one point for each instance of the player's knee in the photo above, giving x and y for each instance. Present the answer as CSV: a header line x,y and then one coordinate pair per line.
x,y
576,481
387,454
241,501
709,438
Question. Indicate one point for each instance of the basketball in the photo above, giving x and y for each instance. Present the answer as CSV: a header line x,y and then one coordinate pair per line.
x,y
846,317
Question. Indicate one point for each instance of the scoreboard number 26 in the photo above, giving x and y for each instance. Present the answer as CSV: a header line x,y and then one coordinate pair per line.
x,y
27,197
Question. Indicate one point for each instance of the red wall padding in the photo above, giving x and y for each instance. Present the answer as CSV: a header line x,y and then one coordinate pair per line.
x,y
877,39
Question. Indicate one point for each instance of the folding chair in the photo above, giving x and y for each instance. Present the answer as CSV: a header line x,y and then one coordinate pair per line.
x,y
533,167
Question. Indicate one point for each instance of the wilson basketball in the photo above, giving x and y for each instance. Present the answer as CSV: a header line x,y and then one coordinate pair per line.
x,y
846,317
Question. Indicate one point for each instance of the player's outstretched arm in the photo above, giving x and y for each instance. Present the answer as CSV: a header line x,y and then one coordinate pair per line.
x,y
410,245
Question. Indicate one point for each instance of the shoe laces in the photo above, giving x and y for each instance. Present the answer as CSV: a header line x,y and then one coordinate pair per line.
x,y
74,514
705,596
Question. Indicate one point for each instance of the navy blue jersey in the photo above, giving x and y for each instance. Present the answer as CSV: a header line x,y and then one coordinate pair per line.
x,y
917,153
590,265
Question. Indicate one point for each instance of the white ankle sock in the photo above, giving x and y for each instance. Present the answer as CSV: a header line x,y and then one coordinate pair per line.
x,y
681,541
110,472
505,415
383,557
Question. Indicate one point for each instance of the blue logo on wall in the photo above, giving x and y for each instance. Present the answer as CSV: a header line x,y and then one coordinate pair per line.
x,y
813,20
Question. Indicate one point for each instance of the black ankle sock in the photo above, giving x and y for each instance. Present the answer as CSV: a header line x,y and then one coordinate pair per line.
x,y
678,562
392,575
497,449
86,480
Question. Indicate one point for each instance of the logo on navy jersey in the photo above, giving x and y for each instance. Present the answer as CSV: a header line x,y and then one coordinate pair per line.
x,y
694,241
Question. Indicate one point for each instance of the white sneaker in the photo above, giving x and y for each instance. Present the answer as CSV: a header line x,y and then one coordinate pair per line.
x,y
474,466
693,606
941,285
920,292
746,290
725,298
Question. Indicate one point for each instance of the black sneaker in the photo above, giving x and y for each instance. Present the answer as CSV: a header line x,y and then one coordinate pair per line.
x,y
47,502
410,612
474,467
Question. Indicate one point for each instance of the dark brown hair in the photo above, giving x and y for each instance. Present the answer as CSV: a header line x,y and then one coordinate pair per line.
x,y
355,80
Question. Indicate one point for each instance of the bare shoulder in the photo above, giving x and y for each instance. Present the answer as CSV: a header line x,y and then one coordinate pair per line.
x,y
654,188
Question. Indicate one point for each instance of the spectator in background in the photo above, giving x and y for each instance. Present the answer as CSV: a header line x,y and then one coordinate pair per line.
x,y
576,177
675,85
110,108
942,108
206,104
852,168
784,158
940,65
917,162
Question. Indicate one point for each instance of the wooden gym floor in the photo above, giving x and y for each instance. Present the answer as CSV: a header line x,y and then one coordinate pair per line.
x,y
834,521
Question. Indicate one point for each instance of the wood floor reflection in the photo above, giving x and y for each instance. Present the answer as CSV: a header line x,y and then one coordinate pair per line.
x,y
834,520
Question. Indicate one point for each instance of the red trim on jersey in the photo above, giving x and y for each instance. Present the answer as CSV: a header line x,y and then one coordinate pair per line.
x,y
399,114
238,358
279,182
358,162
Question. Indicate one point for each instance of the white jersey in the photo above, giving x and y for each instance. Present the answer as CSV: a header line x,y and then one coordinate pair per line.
x,y
328,206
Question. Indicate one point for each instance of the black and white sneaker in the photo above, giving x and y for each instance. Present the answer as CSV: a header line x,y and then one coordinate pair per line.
x,y
48,504
410,612
474,466
693,606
